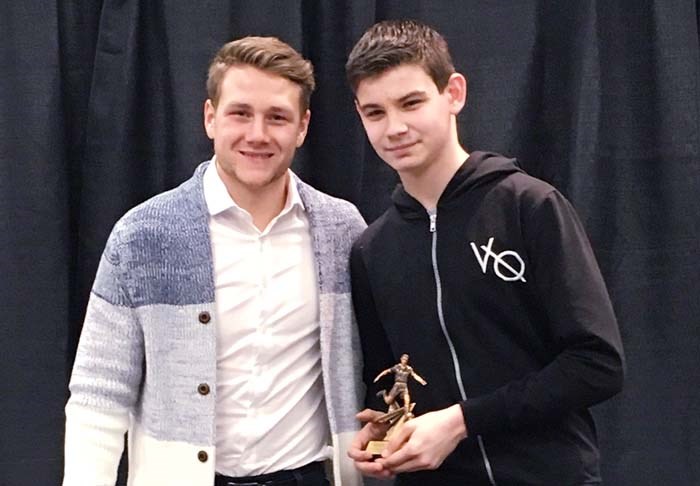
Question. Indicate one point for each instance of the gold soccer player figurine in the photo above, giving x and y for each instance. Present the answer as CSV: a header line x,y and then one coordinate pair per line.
x,y
396,415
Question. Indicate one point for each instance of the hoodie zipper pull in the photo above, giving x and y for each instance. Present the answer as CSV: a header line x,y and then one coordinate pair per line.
x,y
433,222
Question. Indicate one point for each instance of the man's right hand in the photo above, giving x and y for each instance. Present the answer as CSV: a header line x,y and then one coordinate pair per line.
x,y
364,461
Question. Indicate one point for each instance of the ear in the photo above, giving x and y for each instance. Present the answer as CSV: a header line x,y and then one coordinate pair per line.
x,y
456,91
303,127
209,118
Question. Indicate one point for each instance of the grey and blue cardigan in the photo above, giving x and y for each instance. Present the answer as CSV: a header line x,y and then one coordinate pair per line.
x,y
149,341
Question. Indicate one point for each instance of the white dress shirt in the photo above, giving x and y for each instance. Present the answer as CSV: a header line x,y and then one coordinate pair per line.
x,y
270,407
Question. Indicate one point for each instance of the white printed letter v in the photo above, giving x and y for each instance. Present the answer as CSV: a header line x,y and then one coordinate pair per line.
x,y
483,261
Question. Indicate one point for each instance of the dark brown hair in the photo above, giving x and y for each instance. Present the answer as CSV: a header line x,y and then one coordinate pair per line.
x,y
391,43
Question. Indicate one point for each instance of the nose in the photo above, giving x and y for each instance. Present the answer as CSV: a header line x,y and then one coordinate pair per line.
x,y
257,131
395,125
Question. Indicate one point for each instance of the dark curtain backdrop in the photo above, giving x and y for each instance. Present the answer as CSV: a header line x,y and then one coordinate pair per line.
x,y
101,108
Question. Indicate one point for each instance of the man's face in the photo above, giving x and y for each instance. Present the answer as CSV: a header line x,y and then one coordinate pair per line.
x,y
256,126
404,359
408,122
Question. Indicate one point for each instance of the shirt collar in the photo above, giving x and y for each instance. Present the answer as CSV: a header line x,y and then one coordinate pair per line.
x,y
219,200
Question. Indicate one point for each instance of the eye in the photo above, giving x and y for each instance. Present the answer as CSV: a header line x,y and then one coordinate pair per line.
x,y
239,113
278,118
413,103
374,114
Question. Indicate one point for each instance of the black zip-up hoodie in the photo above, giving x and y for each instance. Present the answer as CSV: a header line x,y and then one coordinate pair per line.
x,y
499,301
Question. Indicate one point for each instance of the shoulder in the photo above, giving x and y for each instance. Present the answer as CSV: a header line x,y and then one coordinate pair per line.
x,y
527,194
374,232
320,200
538,198
524,186
154,214
330,211
172,214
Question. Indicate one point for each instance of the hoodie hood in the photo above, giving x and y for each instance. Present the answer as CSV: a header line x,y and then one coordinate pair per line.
x,y
480,168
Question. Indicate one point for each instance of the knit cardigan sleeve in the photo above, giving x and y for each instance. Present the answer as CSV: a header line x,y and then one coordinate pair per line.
x,y
106,377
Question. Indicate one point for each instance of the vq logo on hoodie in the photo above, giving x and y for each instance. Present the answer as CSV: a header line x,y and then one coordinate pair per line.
x,y
500,264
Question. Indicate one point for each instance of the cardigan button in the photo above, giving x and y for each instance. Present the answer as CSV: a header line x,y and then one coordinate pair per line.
x,y
204,317
203,389
202,456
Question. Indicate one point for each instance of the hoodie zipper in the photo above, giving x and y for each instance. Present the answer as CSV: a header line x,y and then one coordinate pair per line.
x,y
432,214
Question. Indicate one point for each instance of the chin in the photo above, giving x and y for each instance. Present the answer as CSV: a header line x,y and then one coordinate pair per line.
x,y
405,164
258,180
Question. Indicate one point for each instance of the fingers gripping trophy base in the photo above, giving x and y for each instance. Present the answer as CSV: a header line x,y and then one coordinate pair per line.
x,y
397,417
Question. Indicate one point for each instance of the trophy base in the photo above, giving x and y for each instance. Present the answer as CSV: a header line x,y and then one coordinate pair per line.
x,y
397,418
376,447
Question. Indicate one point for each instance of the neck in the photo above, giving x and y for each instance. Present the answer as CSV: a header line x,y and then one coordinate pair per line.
x,y
427,184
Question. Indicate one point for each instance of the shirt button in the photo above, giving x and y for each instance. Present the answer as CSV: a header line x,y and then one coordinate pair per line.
x,y
202,456
204,317
203,389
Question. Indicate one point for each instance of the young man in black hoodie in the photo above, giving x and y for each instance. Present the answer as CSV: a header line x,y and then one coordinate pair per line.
x,y
484,275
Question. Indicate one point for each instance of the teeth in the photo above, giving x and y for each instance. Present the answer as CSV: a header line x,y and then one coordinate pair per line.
x,y
256,155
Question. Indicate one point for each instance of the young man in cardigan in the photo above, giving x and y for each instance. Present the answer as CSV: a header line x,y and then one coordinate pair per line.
x,y
485,276
220,331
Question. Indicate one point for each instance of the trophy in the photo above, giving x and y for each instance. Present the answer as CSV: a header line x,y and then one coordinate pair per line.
x,y
397,415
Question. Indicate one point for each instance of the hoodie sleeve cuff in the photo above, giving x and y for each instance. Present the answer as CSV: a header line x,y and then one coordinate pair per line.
x,y
484,415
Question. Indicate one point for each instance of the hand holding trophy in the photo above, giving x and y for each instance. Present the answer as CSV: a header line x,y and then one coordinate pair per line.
x,y
396,415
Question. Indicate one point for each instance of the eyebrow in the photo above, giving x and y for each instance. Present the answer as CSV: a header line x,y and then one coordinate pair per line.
x,y
234,105
417,92
280,109
402,99
245,106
